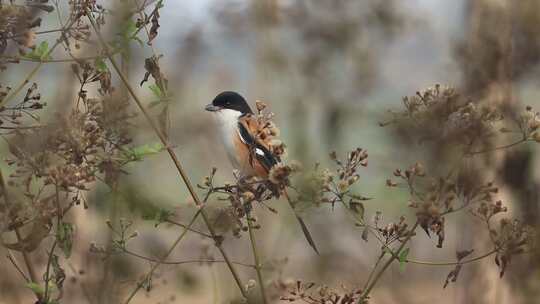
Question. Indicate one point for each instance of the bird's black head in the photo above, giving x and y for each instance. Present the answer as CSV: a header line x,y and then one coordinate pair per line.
x,y
229,100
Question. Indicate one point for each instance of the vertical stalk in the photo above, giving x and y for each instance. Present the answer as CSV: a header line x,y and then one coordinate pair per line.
x,y
256,255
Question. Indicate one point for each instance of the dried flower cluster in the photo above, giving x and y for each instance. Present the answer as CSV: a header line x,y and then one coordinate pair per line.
x,y
440,114
324,186
511,238
391,232
434,197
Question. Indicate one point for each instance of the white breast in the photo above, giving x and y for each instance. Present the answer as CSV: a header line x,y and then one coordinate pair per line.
x,y
228,126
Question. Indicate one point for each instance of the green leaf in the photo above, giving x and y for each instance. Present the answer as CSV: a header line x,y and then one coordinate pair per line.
x,y
35,287
40,52
403,258
129,29
357,208
43,50
138,153
100,64
64,237
157,91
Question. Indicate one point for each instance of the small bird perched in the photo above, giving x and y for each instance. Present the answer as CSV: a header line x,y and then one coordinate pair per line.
x,y
240,132
238,128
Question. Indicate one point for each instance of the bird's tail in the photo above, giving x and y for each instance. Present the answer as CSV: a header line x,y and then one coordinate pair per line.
x,y
305,230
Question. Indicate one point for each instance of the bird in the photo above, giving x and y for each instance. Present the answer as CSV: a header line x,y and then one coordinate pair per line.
x,y
238,128
248,154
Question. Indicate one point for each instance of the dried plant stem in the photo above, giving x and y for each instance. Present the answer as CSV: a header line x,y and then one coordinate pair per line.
x,y
162,260
256,255
483,256
499,147
47,272
134,254
169,149
190,229
367,290
13,261
26,257
78,59
372,272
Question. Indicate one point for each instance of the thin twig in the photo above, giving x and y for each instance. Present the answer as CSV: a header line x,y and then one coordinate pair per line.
x,y
13,261
499,147
190,229
171,152
134,254
452,263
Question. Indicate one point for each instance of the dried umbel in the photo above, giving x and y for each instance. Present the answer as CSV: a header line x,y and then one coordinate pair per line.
x,y
441,115
435,197
511,239
23,115
325,186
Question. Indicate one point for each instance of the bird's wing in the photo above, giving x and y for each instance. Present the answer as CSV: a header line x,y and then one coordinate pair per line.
x,y
257,149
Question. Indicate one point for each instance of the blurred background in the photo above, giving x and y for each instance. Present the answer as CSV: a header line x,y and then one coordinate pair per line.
x,y
330,71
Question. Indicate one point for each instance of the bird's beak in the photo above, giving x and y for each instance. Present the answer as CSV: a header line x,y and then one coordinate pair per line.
x,y
212,108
